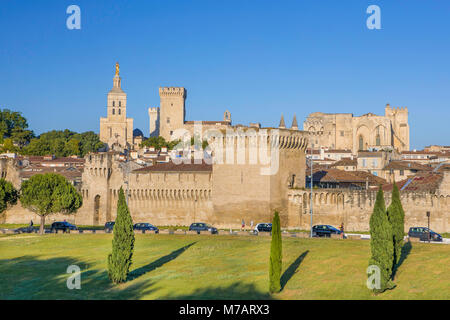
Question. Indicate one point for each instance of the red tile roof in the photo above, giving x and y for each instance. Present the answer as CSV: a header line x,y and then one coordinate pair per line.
x,y
406,165
422,182
172,167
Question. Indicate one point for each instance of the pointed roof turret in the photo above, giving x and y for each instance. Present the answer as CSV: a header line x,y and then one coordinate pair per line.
x,y
282,125
294,125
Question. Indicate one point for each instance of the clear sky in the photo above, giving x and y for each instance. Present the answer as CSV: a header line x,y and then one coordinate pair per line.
x,y
256,58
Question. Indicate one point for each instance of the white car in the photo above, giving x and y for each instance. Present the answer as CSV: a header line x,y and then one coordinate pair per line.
x,y
263,227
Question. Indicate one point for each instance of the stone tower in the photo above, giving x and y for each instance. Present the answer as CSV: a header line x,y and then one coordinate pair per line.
x,y
400,126
153,114
116,129
172,110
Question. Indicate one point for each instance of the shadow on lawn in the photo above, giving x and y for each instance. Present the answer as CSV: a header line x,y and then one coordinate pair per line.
x,y
292,269
406,250
235,291
136,273
30,277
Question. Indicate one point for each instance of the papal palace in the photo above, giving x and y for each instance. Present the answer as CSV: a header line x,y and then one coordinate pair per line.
x,y
247,172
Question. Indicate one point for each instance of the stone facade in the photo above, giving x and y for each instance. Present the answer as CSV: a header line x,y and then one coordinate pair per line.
x,y
344,131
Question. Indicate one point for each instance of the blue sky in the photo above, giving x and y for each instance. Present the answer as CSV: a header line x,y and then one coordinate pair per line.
x,y
256,58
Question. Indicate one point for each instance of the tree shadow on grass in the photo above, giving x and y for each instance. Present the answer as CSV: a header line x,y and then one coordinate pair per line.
x,y
292,269
136,273
30,277
406,250
235,291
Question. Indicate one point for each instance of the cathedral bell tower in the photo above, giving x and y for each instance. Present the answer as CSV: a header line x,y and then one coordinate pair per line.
x,y
116,129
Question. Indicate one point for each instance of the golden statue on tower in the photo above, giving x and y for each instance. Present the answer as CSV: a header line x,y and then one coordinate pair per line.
x,y
117,68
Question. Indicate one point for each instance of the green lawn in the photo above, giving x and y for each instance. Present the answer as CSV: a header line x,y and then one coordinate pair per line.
x,y
212,267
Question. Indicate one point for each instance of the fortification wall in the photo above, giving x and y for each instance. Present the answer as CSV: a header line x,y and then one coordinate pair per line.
x,y
334,206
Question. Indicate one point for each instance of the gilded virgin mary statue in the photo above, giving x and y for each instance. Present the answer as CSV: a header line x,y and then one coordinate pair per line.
x,y
117,68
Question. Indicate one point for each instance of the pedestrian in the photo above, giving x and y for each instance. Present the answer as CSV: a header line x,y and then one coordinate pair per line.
x,y
251,225
31,223
243,225
342,229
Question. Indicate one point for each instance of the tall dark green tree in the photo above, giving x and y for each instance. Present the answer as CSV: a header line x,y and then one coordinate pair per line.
x,y
396,217
119,261
381,244
275,256
49,193
8,195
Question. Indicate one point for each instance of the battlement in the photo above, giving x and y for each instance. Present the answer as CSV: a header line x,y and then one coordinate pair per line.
x,y
99,159
172,91
395,110
153,110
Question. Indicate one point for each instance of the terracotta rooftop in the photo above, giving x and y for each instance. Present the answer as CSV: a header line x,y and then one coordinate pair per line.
x,y
50,159
373,179
335,175
345,162
422,182
406,165
172,167
69,173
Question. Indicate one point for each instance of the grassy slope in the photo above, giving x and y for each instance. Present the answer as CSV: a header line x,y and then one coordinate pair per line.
x,y
202,267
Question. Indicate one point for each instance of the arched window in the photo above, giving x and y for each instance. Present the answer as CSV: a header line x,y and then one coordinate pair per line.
x,y
378,140
114,104
119,111
361,143
120,104
113,111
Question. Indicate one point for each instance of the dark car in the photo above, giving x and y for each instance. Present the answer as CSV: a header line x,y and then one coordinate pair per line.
x,y
424,234
200,226
325,230
29,229
145,227
109,226
263,227
64,226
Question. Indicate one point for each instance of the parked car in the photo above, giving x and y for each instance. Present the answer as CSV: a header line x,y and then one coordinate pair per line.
x,y
109,226
263,227
29,229
200,226
146,227
423,233
62,225
324,230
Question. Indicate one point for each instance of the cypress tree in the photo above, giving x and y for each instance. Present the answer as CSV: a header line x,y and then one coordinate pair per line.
x,y
397,220
119,261
381,244
275,256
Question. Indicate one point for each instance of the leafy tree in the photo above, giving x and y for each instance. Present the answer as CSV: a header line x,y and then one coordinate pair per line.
x,y
275,256
381,244
89,142
159,142
8,146
397,219
8,195
14,126
49,193
63,144
119,261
